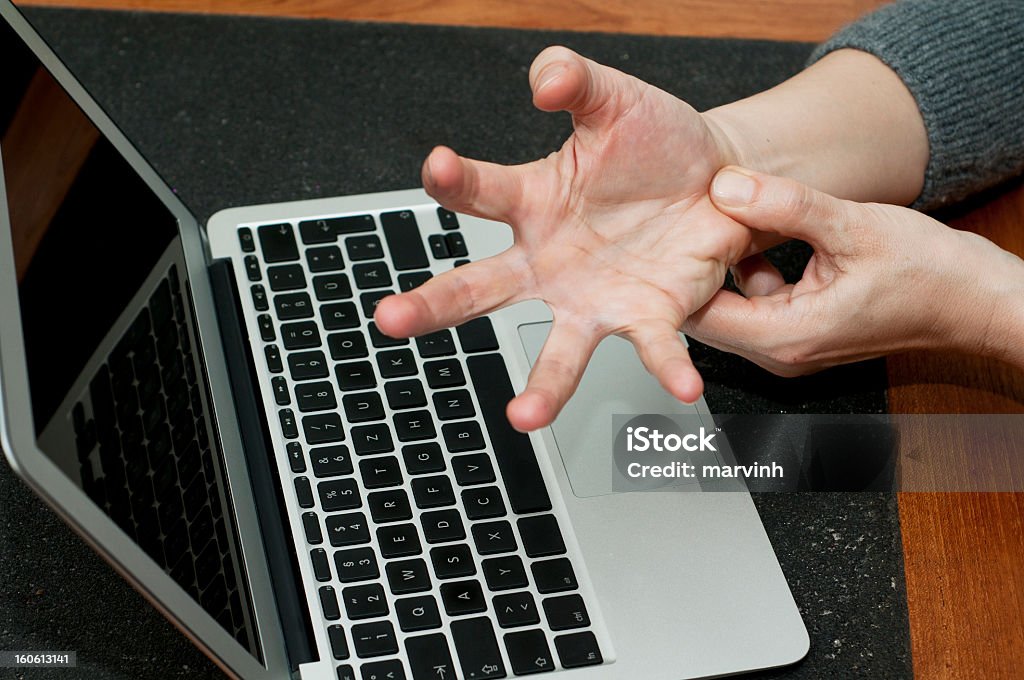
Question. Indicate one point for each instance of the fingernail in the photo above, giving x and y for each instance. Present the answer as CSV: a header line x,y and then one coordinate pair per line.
x,y
548,75
733,188
427,171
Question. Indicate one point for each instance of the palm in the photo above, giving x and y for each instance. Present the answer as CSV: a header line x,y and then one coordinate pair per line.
x,y
622,207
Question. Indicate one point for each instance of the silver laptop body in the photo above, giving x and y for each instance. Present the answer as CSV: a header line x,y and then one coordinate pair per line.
x,y
302,497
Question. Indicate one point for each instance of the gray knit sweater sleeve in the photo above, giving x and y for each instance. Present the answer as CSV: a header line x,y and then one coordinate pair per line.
x,y
963,60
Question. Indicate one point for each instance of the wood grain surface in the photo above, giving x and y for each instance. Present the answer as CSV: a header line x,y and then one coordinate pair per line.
x,y
964,564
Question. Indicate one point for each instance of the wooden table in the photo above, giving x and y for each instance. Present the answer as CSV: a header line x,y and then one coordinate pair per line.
x,y
964,553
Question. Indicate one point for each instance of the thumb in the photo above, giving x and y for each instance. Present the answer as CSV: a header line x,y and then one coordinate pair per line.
x,y
594,94
782,206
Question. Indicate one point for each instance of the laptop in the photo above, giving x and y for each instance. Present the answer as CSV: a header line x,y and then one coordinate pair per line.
x,y
213,410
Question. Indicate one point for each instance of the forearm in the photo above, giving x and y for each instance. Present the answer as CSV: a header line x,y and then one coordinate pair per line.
x,y
847,126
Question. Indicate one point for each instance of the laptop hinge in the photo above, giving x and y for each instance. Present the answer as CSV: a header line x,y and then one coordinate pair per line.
x,y
277,540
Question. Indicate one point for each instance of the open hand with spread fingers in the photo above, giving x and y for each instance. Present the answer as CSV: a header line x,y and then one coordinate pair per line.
x,y
615,231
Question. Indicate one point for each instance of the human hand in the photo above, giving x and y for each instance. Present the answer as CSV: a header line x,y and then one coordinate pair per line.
x,y
882,279
615,232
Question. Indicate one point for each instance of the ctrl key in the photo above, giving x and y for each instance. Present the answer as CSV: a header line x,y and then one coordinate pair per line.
x,y
578,649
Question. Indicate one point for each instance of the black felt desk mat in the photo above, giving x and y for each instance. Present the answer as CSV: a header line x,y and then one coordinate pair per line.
x,y
236,111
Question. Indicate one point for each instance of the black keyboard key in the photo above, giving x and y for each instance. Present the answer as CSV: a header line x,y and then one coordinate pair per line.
x,y
408,576
245,240
411,426
442,526
339,494
326,230
372,439
339,316
371,275
303,492
308,365
452,561
578,649
390,669
528,652
494,537
477,336
331,461
355,375
405,394
331,287
456,245
448,219
356,564
478,649
348,529
323,428
444,373
278,243
429,657
396,363
554,576
376,638
453,404
315,396
389,506
565,612
517,461
311,526
398,540
300,335
422,459
463,436
252,268
279,386
273,355
259,298
325,259
437,344
288,427
460,262
483,502
296,460
368,301
380,472
504,573
516,609
404,240
344,346
380,340
365,602
473,469
321,566
339,647
541,536
417,613
432,492
345,672
291,306
266,326
407,282
364,248
362,407
286,277
329,602
463,597
438,246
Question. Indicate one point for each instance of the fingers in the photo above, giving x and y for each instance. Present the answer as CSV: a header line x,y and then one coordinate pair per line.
x,y
555,375
485,190
755,275
564,81
447,300
782,206
665,356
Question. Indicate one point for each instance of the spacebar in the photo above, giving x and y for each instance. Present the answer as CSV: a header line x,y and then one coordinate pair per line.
x,y
513,450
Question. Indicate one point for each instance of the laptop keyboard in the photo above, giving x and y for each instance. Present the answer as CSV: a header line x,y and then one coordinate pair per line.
x,y
426,518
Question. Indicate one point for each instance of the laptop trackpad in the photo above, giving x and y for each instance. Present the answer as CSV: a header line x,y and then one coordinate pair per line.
x,y
615,382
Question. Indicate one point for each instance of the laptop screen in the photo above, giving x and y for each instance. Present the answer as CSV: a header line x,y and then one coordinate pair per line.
x,y
118,393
